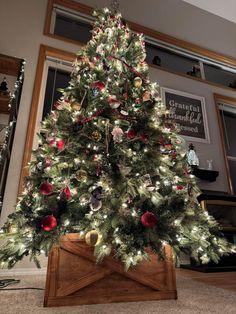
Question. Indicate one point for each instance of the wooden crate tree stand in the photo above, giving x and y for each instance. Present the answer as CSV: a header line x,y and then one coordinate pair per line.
x,y
74,278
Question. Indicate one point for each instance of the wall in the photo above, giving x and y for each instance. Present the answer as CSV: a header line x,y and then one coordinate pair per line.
x,y
23,22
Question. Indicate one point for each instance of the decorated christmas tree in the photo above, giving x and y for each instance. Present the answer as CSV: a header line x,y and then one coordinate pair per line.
x,y
110,165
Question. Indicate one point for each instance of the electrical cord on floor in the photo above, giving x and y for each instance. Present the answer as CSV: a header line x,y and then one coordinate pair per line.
x,y
6,282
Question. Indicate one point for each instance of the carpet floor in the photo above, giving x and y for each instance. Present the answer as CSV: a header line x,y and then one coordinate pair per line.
x,y
193,298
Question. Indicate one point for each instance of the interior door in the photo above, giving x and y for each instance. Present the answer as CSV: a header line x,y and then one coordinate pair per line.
x,y
226,108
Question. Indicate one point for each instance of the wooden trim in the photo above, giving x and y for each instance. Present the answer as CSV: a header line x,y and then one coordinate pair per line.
x,y
9,65
44,52
198,79
221,98
141,29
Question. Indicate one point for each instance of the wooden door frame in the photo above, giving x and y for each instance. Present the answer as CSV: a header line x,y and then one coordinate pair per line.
x,y
44,52
232,101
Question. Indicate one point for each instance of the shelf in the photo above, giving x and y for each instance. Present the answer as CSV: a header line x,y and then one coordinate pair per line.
x,y
4,102
204,174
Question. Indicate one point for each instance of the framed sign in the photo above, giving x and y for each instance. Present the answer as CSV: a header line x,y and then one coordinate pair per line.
x,y
189,113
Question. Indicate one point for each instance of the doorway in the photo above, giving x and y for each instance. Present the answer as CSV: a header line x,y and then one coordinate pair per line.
x,y
226,112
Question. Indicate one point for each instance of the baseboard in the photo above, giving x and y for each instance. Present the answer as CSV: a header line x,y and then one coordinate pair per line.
x,y
23,271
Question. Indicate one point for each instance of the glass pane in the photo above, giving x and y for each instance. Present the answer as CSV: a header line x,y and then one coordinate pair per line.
x,y
232,168
229,125
62,79
173,61
72,28
217,75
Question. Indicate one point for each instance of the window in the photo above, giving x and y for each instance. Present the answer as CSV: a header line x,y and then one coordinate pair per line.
x,y
70,20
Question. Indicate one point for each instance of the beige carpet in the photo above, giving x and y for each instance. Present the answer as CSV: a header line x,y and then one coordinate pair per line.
x,y
193,298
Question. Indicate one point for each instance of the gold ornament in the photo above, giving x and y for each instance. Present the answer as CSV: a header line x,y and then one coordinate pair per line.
x,y
138,81
76,106
81,175
93,238
96,136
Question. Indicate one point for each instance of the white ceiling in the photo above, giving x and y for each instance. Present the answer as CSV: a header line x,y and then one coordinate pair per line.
x,y
223,8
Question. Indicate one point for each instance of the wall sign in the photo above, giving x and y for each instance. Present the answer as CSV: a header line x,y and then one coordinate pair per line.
x,y
189,113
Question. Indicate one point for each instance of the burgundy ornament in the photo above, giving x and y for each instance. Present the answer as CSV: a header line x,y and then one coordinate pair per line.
x,y
144,138
46,188
48,223
131,134
47,162
179,187
66,192
148,220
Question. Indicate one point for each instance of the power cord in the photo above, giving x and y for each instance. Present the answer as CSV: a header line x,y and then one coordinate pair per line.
x,y
6,282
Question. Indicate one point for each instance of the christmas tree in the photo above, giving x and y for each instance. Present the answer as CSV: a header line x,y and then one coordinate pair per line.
x,y
110,165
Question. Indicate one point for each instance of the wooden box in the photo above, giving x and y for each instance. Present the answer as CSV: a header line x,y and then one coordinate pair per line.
x,y
74,278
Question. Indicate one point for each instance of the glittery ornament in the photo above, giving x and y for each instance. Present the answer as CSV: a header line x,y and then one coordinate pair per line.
x,y
76,106
96,136
138,82
49,223
93,238
81,175
131,134
46,188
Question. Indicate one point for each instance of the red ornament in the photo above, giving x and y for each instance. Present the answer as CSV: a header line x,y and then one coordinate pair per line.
x,y
60,144
66,192
53,142
148,220
144,138
46,188
113,101
99,85
131,134
179,187
168,146
48,223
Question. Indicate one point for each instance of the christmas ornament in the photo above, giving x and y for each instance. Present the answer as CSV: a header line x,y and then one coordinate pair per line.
x,y
60,144
96,136
76,106
117,134
95,204
46,188
39,166
144,138
62,104
179,187
98,86
131,134
66,192
97,193
138,82
146,96
147,181
148,220
93,238
113,101
168,146
49,223
123,112
81,175
95,200
138,104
